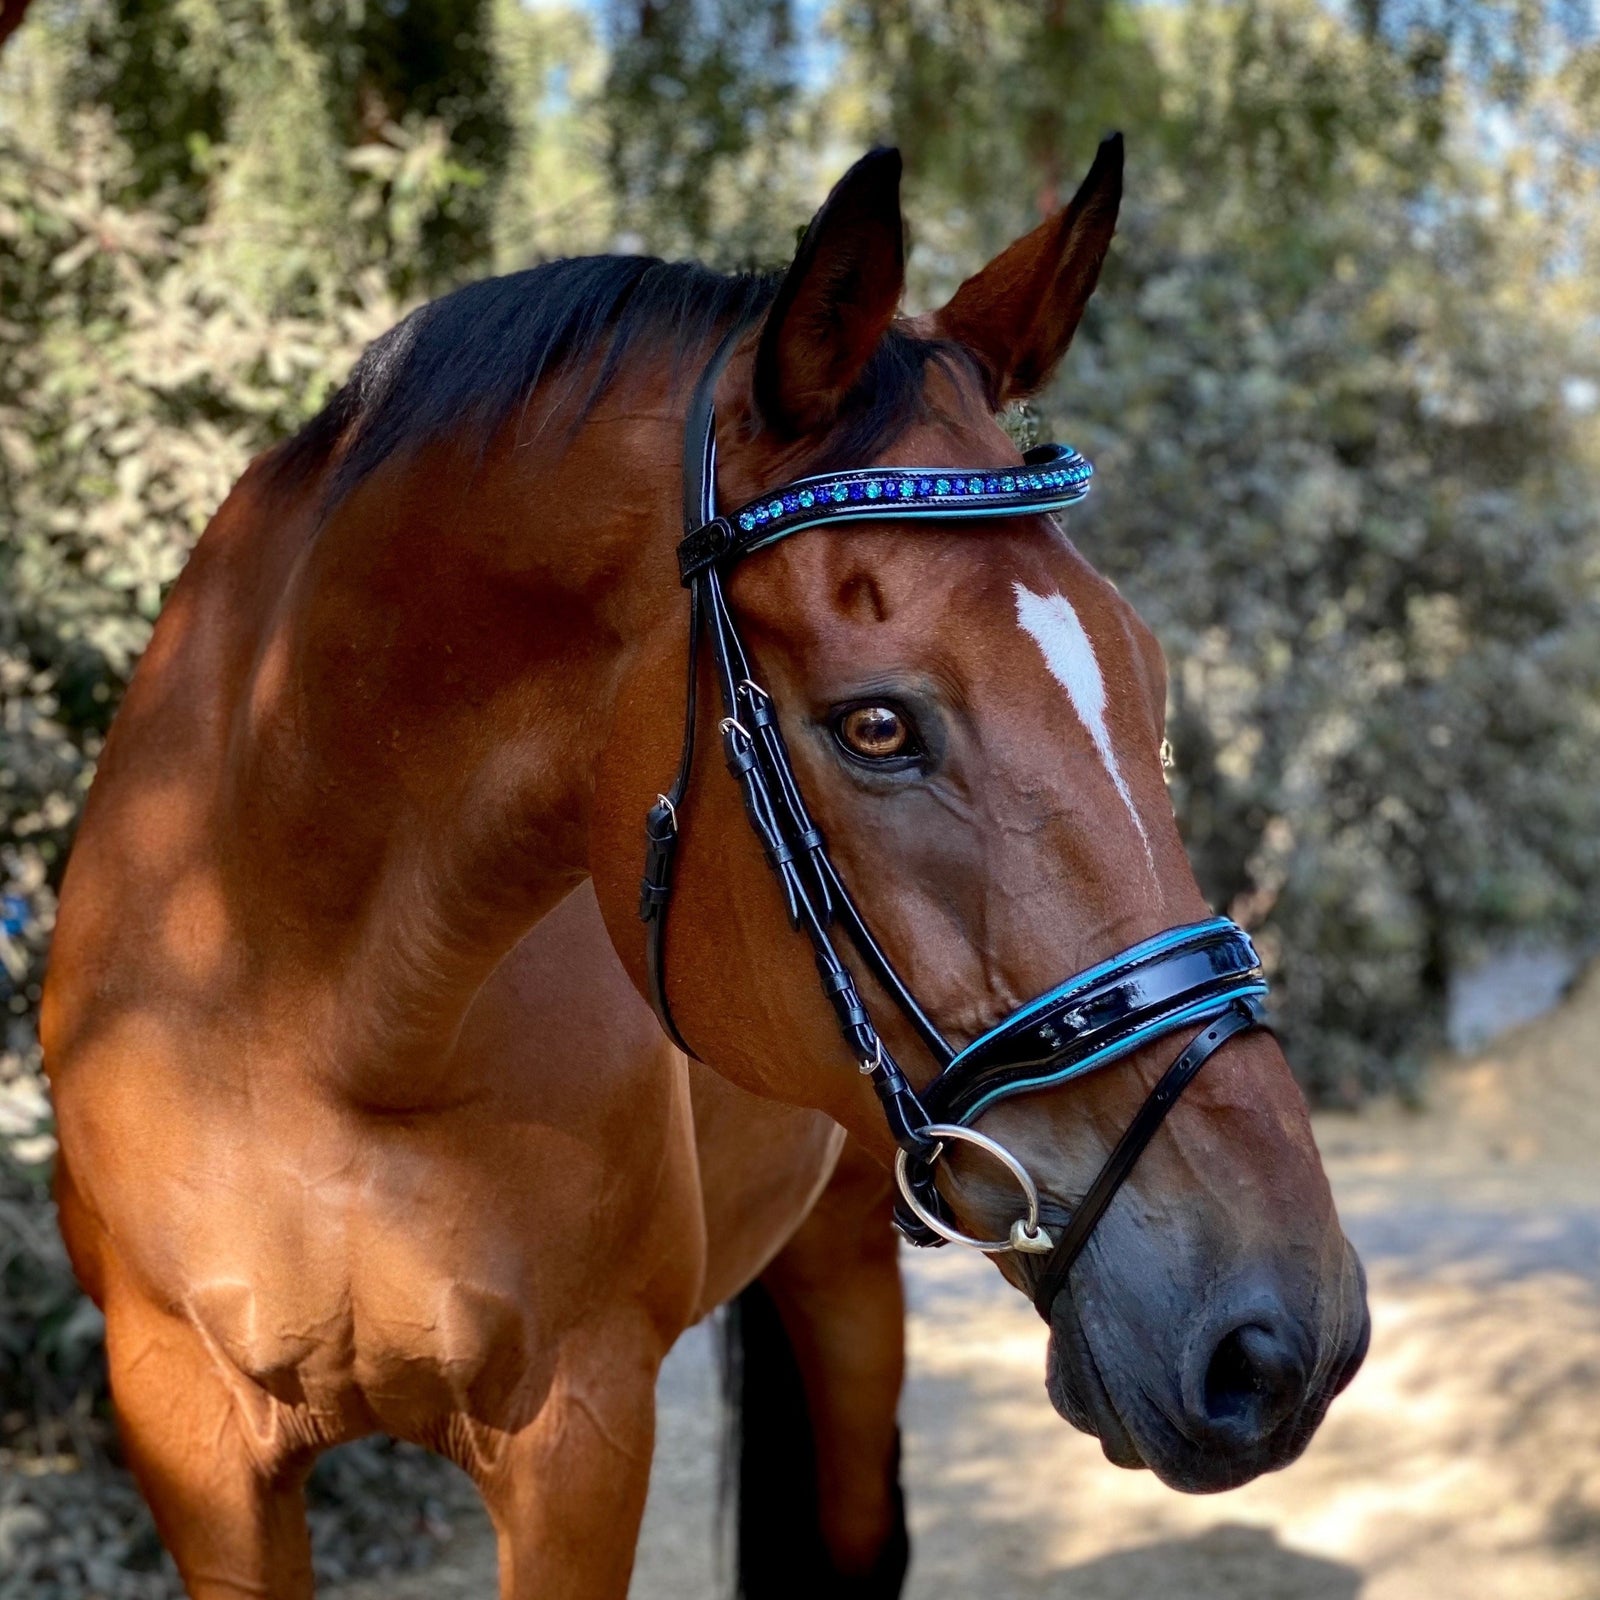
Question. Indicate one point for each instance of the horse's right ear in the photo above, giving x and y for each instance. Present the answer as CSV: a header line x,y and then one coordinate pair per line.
x,y
836,300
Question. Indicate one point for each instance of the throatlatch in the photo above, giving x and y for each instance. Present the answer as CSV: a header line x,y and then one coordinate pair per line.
x,y
1204,974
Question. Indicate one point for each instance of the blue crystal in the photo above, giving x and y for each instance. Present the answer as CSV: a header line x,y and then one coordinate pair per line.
x,y
941,486
858,491
760,513
840,493
791,502
874,489
775,509
991,486
746,521
1008,484
907,488
806,498
924,486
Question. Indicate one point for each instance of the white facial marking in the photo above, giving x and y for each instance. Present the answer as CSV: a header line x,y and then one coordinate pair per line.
x,y
1053,625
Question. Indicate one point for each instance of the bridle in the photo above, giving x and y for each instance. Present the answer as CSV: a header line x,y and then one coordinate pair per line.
x,y
1204,973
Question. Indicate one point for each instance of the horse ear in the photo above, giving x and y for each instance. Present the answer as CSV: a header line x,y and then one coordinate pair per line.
x,y
1018,315
836,300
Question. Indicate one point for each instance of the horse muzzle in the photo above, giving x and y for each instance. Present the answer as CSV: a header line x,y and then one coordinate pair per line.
x,y
1211,1398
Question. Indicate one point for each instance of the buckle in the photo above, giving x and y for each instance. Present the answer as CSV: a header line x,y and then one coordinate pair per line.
x,y
704,547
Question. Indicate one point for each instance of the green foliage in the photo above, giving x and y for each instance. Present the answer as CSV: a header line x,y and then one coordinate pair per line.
x,y
994,104
701,132
273,118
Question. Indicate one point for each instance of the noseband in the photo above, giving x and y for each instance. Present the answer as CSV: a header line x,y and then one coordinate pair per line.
x,y
1204,974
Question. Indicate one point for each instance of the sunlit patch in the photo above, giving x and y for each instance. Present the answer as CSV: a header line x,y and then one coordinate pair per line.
x,y
196,928
1051,622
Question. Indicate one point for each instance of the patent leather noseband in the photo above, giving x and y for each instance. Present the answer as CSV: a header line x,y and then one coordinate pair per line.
x,y
1204,975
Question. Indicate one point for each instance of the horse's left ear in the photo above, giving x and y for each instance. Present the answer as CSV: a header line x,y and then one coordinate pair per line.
x,y
1019,314
835,302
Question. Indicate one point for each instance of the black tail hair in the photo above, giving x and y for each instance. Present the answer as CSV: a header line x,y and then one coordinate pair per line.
x,y
769,1472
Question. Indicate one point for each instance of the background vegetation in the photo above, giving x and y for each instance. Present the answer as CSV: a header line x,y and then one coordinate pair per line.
x,y
1342,384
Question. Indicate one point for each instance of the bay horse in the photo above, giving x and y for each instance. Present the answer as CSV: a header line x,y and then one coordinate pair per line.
x,y
364,1124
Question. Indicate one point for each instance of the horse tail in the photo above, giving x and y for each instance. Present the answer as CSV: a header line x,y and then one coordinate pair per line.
x,y
770,1521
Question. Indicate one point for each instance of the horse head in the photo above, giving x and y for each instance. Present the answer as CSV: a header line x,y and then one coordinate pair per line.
x,y
974,718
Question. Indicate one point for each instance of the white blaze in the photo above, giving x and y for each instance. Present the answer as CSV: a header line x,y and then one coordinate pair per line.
x,y
1053,625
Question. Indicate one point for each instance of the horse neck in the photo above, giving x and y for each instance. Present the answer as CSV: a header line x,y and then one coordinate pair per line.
x,y
415,767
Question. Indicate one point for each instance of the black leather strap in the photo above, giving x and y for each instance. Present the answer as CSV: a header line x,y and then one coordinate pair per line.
x,y
1097,1023
661,823
1052,1278
766,778
661,829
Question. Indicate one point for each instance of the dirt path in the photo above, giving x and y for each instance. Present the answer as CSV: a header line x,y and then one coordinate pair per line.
x,y
1462,1464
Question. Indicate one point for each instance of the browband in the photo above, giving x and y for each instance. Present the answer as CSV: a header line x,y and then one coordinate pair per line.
x,y
1052,476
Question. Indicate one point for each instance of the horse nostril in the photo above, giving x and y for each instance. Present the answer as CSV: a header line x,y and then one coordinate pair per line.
x,y
1253,1381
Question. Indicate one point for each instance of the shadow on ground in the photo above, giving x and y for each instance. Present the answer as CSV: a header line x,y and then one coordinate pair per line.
x,y
1227,1563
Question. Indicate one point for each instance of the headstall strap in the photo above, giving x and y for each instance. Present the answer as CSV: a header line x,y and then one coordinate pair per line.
x,y
1206,975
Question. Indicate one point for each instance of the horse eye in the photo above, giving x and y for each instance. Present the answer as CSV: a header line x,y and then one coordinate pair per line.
x,y
876,733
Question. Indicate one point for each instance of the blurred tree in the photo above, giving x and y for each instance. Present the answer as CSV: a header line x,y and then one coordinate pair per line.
x,y
991,100
136,379
556,198
11,15
232,109
701,109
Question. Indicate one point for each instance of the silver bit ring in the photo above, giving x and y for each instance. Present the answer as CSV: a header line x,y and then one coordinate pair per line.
x,y
1026,1236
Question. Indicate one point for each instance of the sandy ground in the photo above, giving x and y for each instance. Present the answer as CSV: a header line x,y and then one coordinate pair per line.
x,y
1462,1464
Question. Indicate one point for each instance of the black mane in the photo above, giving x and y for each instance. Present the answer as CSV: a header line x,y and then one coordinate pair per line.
x,y
473,359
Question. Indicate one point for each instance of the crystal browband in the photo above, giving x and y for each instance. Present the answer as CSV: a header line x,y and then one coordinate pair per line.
x,y
1052,476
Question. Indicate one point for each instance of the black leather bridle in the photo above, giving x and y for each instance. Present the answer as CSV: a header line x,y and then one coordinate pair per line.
x,y
1206,973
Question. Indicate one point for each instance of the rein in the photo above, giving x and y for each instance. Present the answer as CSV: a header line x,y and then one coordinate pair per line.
x,y
1204,973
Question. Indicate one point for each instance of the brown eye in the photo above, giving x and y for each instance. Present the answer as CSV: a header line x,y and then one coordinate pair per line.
x,y
876,733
